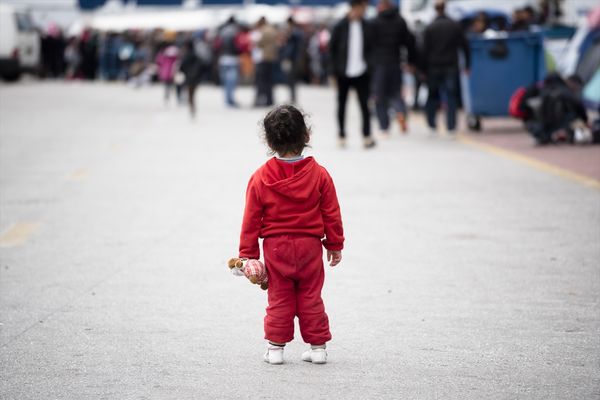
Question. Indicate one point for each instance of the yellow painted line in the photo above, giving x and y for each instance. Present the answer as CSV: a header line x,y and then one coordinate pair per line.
x,y
18,233
532,162
79,175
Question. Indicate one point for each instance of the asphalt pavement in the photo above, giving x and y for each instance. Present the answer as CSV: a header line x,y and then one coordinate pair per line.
x,y
466,275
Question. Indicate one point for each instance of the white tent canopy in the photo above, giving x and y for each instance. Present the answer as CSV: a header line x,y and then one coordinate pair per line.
x,y
177,19
171,20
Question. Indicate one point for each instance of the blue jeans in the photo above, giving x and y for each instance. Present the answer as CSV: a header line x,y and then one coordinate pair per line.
x,y
387,89
229,78
442,80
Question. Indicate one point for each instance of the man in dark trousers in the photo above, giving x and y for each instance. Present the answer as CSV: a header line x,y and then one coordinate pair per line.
x,y
267,48
390,35
442,41
291,54
350,49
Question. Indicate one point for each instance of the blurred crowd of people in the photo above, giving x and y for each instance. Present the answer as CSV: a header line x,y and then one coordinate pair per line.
x,y
522,19
232,54
368,56
262,51
125,55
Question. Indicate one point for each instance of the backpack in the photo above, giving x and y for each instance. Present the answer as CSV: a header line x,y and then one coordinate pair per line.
x,y
554,108
514,105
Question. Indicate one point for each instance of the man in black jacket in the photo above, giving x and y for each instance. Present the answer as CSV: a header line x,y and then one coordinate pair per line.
x,y
442,40
390,34
350,49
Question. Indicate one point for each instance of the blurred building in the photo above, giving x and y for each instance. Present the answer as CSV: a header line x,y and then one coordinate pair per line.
x,y
191,15
45,12
95,4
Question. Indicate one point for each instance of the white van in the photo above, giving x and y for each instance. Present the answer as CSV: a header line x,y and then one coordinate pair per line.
x,y
19,43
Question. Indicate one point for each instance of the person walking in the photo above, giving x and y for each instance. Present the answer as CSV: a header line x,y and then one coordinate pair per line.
x,y
52,50
291,202
350,47
390,35
166,60
191,67
72,59
318,53
442,41
265,53
88,49
418,75
229,60
292,52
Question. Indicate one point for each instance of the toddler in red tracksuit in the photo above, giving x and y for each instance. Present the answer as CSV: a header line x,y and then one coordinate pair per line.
x,y
292,204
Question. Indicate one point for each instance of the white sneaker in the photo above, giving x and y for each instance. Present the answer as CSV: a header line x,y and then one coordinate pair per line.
x,y
274,355
315,356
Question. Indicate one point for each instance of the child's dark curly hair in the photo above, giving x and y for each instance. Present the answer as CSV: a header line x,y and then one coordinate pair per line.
x,y
285,130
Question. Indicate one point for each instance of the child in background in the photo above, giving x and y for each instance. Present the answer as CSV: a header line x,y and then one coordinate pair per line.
x,y
291,202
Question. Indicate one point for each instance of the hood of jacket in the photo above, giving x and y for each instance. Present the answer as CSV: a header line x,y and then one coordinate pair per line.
x,y
295,180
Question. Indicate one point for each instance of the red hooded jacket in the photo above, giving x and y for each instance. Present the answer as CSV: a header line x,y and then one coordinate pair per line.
x,y
290,198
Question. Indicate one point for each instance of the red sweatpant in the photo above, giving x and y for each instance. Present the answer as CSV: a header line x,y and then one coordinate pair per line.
x,y
296,275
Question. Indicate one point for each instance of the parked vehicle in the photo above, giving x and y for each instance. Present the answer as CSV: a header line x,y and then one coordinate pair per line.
x,y
19,43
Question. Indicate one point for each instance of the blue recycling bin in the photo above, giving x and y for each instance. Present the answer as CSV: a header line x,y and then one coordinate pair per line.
x,y
498,67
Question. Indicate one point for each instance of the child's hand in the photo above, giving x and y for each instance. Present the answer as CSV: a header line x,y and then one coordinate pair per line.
x,y
334,256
